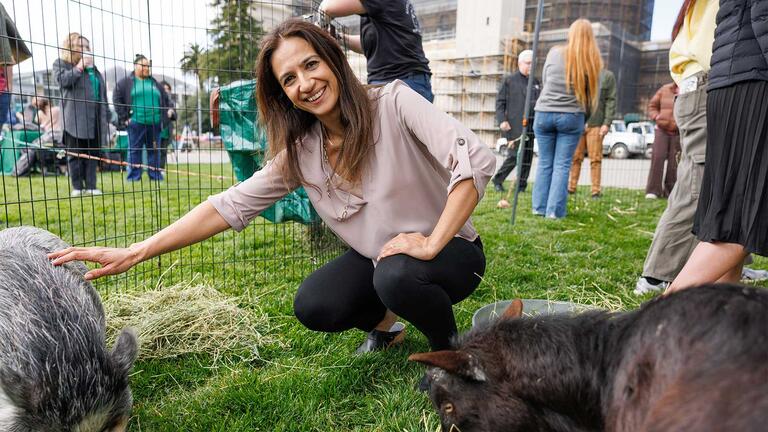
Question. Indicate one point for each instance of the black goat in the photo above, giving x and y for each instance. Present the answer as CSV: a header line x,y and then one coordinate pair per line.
x,y
696,360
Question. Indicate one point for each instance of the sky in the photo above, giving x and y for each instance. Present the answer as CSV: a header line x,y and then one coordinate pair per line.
x,y
664,14
116,34
117,29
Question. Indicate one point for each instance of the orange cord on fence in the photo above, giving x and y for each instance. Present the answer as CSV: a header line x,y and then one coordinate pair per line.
x,y
60,153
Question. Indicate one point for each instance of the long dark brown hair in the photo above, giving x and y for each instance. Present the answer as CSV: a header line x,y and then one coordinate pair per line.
x,y
287,125
687,5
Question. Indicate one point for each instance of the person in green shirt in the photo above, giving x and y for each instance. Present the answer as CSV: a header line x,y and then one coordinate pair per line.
x,y
141,104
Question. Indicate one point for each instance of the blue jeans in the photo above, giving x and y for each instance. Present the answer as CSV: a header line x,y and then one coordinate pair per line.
x,y
558,135
5,107
420,82
141,136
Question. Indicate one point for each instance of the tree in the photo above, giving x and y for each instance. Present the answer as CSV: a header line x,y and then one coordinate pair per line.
x,y
235,35
194,62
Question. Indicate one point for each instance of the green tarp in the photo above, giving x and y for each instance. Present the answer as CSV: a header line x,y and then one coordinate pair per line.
x,y
240,130
246,144
11,145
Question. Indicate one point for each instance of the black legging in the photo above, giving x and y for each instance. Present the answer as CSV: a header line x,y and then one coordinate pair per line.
x,y
349,292
82,171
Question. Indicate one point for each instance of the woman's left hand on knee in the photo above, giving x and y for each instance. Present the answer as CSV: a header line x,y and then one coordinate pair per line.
x,y
412,244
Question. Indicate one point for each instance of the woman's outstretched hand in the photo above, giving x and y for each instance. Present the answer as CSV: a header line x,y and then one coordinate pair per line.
x,y
113,260
411,244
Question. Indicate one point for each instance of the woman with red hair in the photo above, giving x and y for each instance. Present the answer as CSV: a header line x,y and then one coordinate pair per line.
x,y
571,89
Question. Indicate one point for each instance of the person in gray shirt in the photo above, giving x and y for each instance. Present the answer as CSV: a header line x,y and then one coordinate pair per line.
x,y
571,84
84,102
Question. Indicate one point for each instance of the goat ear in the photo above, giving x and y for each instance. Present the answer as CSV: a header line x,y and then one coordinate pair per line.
x,y
454,362
125,351
514,310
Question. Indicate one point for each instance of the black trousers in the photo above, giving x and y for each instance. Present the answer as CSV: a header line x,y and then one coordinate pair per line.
x,y
349,292
165,143
511,161
82,171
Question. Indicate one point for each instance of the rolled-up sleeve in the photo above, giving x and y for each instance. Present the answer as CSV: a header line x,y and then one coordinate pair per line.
x,y
241,203
451,143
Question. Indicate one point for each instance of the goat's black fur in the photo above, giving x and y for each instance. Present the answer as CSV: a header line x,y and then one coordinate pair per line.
x,y
695,360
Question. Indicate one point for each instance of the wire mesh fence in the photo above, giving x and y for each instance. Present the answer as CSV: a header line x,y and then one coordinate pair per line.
x,y
92,181
90,184
468,87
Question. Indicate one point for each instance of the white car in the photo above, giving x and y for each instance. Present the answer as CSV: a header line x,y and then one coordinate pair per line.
x,y
645,128
620,143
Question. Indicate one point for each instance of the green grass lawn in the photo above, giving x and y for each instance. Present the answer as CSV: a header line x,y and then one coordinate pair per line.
x,y
311,381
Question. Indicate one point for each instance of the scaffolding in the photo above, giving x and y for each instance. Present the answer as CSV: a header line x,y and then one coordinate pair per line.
x,y
466,87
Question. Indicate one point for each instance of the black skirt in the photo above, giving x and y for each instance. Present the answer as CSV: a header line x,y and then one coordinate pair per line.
x,y
733,205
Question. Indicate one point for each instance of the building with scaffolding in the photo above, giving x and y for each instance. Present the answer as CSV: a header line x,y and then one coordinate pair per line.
x,y
471,48
467,69
622,28
630,17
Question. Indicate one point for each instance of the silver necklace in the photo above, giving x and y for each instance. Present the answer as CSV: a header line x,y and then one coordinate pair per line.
x,y
328,183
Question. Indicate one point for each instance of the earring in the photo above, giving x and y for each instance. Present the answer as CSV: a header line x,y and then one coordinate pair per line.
x,y
295,107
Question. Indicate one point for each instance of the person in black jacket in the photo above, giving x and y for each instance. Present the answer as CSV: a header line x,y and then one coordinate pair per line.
x,y
141,103
732,214
510,104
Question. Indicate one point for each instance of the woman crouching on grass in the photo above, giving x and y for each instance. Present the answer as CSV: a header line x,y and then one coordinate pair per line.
x,y
393,176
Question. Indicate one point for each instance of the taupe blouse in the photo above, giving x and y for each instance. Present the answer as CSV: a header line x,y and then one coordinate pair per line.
x,y
420,153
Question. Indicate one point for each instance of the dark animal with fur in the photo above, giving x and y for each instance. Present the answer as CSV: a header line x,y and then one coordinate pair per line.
x,y
56,374
696,360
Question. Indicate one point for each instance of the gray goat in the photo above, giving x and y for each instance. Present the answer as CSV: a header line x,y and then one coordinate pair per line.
x,y
56,374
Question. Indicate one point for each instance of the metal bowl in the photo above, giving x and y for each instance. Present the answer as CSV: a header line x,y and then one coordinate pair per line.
x,y
488,313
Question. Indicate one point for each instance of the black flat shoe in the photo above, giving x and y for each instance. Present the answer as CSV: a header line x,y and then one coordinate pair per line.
x,y
423,384
380,340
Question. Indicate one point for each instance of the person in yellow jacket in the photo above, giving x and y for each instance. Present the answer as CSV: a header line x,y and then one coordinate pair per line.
x,y
689,61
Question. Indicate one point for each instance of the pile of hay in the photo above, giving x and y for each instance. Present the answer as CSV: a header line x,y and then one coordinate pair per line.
x,y
188,319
